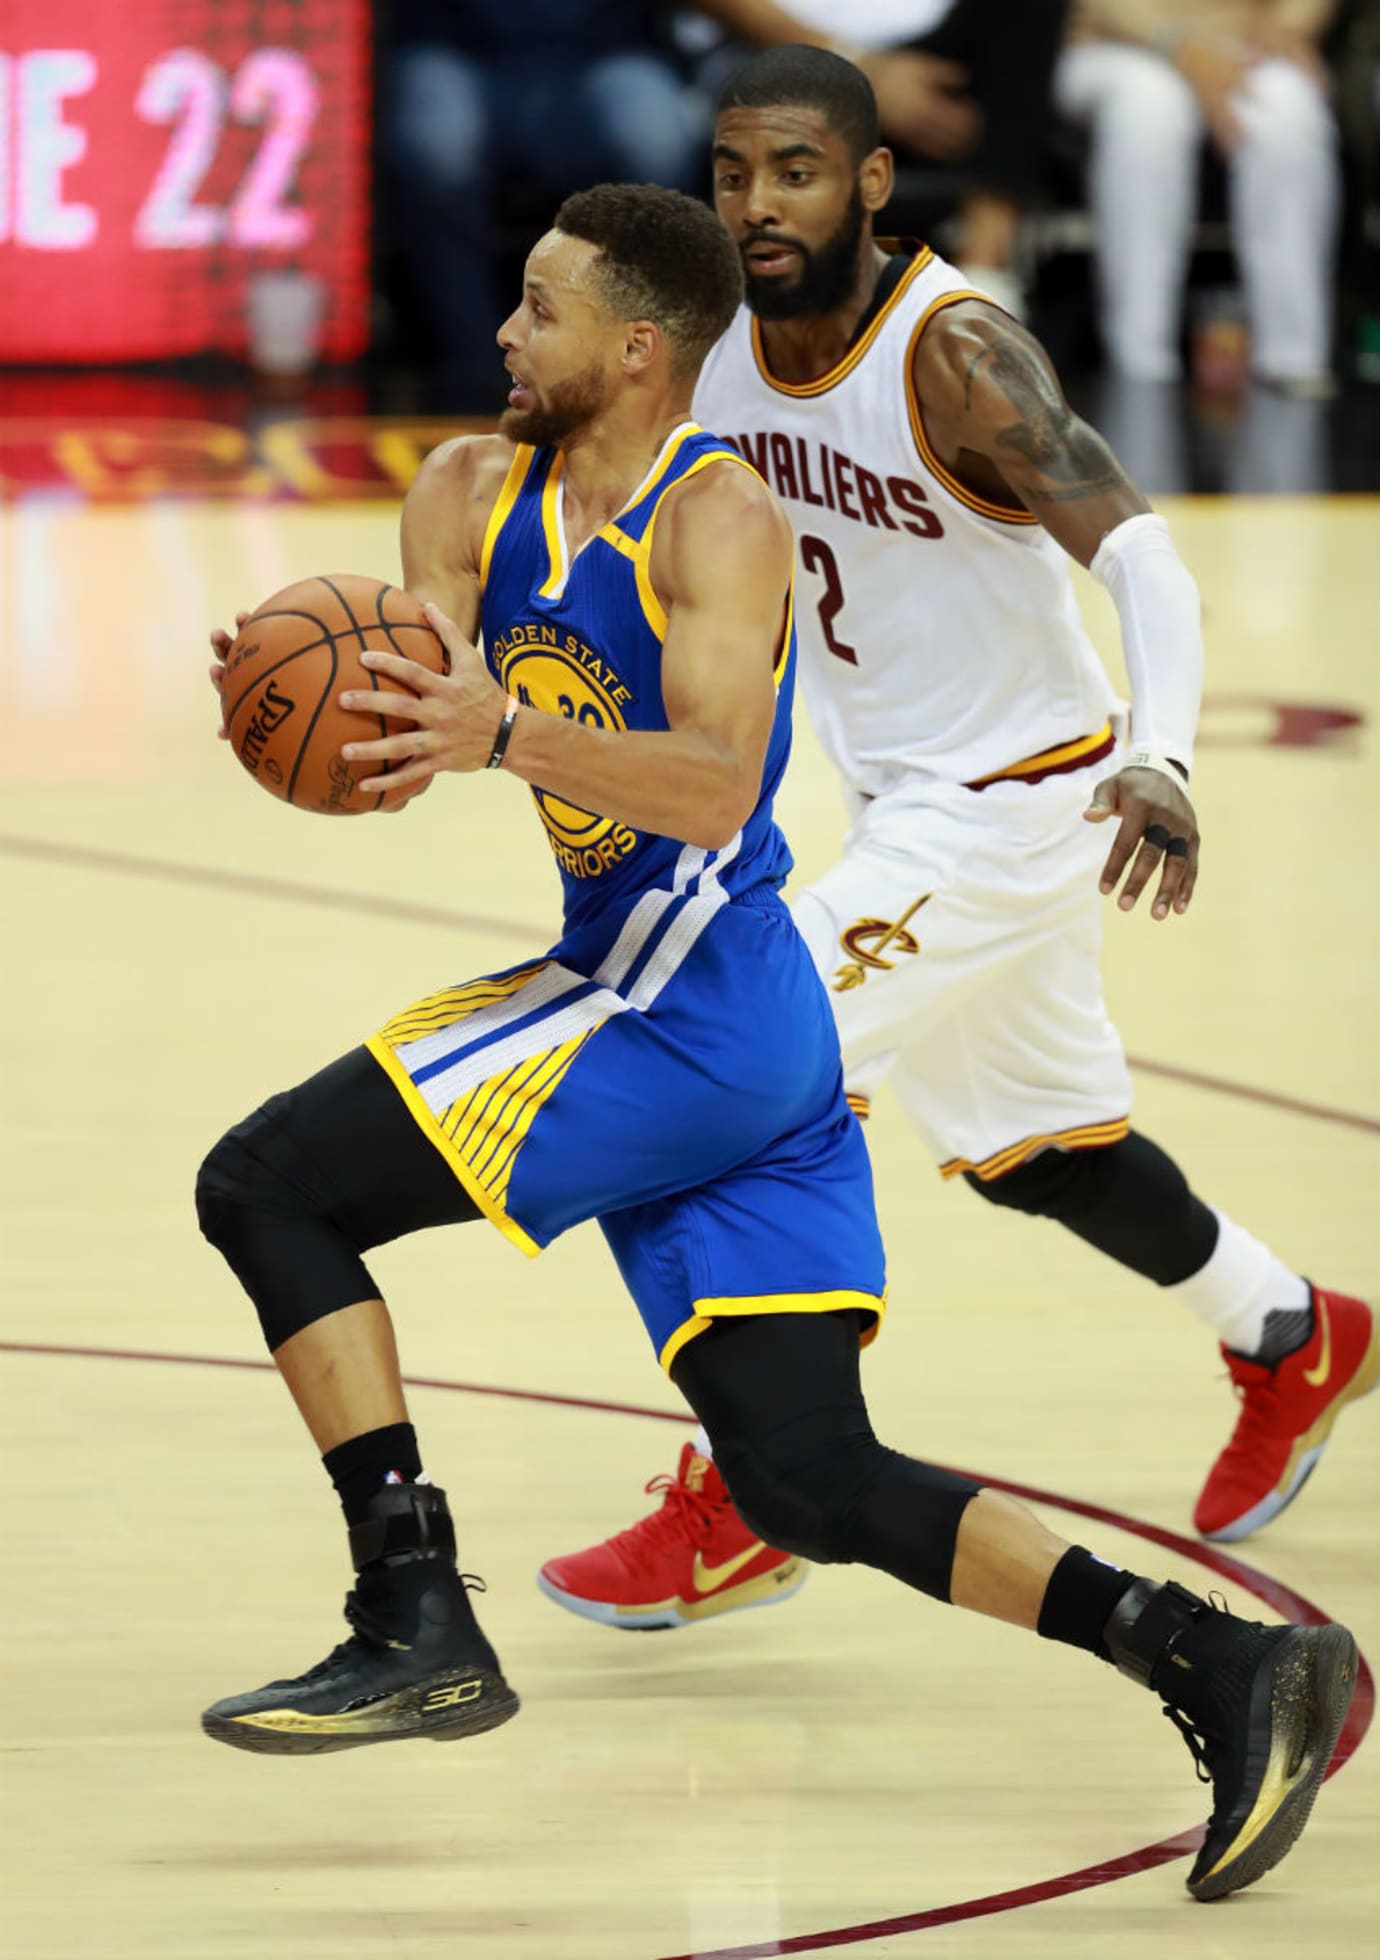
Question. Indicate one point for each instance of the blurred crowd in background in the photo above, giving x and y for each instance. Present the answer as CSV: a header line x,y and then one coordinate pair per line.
x,y
1180,197
1152,183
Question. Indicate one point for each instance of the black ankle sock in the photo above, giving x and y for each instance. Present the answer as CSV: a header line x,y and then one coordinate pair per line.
x,y
1079,1600
359,1467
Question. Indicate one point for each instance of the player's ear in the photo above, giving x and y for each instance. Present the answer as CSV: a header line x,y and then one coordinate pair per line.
x,y
877,178
641,346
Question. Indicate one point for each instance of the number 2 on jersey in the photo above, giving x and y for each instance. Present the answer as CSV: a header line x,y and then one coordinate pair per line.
x,y
817,556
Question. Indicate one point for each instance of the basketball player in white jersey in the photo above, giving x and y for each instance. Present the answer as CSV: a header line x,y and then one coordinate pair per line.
x,y
937,479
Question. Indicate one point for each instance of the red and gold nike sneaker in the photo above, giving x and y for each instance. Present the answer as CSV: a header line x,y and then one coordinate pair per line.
x,y
1287,1413
690,1559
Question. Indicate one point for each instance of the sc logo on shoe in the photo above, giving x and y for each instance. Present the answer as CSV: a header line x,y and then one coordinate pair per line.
x,y
455,1695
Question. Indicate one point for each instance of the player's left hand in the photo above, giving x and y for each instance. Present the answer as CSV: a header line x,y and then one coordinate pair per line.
x,y
456,717
1157,828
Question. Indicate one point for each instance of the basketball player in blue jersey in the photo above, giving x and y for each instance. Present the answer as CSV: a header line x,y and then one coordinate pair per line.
x,y
670,1067
940,485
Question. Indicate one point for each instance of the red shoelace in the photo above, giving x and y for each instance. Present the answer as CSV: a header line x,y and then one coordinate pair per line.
x,y
1258,1422
683,1514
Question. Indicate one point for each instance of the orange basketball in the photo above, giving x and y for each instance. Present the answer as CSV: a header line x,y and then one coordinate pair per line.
x,y
285,673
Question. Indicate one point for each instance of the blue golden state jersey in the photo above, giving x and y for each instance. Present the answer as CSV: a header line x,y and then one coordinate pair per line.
x,y
671,1067
582,637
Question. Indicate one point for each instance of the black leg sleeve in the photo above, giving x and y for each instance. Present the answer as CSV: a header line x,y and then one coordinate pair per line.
x,y
1128,1199
781,1399
294,1194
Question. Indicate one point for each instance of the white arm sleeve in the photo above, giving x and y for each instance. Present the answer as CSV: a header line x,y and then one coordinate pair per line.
x,y
1161,633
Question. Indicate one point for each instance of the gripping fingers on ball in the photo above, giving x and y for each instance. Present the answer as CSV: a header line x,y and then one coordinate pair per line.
x,y
217,673
400,707
411,744
413,778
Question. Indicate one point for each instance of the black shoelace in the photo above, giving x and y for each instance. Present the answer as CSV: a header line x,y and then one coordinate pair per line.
x,y
1199,1743
370,1629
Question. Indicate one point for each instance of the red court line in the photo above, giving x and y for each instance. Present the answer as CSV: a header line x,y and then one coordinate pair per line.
x,y
1269,1098
84,858
1290,1605
411,1381
81,857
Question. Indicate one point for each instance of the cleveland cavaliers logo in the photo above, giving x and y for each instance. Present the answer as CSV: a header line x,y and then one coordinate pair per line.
x,y
558,674
869,940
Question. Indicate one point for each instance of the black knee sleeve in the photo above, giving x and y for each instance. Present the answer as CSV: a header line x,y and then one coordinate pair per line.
x,y
780,1398
293,1195
1128,1199
842,1505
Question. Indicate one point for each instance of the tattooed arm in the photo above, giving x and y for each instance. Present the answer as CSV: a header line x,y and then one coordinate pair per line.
x,y
996,417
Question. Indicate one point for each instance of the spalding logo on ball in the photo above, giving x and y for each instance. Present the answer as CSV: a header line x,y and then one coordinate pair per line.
x,y
284,675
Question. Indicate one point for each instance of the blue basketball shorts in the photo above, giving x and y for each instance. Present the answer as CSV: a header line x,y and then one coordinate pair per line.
x,y
678,1080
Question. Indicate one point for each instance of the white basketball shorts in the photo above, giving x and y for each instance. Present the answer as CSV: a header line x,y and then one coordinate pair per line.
x,y
960,937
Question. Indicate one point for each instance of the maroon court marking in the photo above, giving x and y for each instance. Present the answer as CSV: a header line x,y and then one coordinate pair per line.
x,y
1270,1098
412,1381
81,858
1274,1593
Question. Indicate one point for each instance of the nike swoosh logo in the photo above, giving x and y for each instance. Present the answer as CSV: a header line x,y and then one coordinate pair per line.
x,y
708,1578
1315,1377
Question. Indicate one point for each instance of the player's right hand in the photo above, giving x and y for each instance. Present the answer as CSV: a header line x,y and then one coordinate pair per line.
x,y
221,642
1158,831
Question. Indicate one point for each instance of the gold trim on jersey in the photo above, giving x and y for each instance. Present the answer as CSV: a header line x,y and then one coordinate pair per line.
x,y
706,1312
507,497
620,541
1085,1136
559,556
482,1132
439,1010
1048,761
783,652
488,1126
999,513
845,367
653,611
553,530
860,1105
671,448
426,1123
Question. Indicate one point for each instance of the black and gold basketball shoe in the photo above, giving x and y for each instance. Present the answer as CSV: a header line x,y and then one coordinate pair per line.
x,y
1260,1708
415,1664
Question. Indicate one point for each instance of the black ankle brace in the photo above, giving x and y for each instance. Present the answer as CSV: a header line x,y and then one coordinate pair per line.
x,y
405,1522
1145,1623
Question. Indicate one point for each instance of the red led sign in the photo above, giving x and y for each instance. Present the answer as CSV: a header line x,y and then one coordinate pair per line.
x,y
156,154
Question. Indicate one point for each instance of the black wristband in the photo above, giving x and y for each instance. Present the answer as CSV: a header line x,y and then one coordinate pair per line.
x,y
504,735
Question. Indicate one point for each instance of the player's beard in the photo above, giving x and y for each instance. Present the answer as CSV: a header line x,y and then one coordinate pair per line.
x,y
826,275
570,406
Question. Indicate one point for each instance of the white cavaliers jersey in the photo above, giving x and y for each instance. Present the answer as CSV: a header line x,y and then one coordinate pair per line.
x,y
939,633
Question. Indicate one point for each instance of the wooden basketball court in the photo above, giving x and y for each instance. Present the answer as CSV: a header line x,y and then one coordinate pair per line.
x,y
862,1769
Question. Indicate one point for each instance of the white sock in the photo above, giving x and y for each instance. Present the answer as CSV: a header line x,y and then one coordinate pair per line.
x,y
1241,1283
703,1446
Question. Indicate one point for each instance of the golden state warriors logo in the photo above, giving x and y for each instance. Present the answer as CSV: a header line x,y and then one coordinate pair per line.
x,y
556,672
869,939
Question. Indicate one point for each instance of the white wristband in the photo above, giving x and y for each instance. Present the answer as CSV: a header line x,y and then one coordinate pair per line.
x,y
1161,633
1149,759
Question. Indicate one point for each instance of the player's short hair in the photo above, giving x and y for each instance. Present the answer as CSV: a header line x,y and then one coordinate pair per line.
x,y
798,77
663,257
